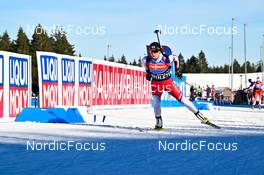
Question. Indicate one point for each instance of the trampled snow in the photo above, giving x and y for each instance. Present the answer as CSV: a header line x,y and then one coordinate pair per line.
x,y
131,146
137,123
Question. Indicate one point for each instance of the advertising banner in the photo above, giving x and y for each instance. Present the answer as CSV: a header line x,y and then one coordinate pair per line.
x,y
64,80
117,84
15,84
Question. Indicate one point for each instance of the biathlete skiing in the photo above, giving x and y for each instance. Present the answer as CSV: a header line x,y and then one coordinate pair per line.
x,y
158,71
250,91
257,92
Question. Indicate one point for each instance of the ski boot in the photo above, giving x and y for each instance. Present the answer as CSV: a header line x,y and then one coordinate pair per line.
x,y
201,117
159,123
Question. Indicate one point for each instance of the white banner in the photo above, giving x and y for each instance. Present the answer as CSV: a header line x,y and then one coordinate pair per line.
x,y
15,84
63,80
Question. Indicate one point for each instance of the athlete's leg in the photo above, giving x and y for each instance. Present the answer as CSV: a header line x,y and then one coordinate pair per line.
x,y
157,111
258,98
176,93
157,89
156,102
188,104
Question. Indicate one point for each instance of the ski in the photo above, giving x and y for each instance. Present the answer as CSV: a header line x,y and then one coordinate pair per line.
x,y
212,125
158,129
205,120
149,129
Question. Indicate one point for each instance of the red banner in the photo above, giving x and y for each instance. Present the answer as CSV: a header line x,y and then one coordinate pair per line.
x,y
18,100
18,85
116,85
76,81
50,94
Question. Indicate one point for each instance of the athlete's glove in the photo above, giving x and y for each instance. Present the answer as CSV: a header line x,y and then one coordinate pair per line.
x,y
148,75
179,75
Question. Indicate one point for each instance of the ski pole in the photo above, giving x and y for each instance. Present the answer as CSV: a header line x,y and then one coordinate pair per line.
x,y
185,82
157,33
162,51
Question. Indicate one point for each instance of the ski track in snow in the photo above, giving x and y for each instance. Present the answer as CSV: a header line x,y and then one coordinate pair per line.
x,y
132,145
137,124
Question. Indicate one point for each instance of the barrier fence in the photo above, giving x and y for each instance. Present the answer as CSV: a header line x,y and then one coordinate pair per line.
x,y
69,81
75,81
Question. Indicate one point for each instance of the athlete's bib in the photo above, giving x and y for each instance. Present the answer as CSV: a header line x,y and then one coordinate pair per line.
x,y
159,70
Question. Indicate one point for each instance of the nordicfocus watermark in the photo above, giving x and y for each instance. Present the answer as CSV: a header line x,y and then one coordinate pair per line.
x,y
202,145
69,29
65,146
117,89
202,29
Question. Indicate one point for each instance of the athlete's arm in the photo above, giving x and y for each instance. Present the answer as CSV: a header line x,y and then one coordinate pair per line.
x,y
174,59
144,63
144,60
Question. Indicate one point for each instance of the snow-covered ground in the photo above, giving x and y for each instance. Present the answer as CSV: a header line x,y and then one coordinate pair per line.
x,y
131,147
137,123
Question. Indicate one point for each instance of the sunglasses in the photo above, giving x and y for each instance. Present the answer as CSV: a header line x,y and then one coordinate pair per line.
x,y
155,51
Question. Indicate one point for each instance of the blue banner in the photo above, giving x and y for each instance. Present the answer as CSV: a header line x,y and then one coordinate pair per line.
x,y
68,70
2,70
18,72
49,68
85,72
